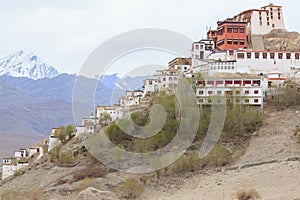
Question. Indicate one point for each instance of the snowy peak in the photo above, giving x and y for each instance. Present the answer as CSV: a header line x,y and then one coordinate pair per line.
x,y
21,64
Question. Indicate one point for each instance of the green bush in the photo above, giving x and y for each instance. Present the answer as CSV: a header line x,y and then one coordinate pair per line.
x,y
54,154
66,158
131,189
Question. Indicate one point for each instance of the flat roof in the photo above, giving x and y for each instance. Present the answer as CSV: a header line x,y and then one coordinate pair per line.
x,y
223,75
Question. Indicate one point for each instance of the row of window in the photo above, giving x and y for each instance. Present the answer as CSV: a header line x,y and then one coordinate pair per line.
x,y
240,42
234,82
231,29
201,101
222,68
170,78
228,93
265,55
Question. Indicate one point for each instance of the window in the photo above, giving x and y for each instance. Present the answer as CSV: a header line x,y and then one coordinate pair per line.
x,y
210,82
237,100
240,55
255,91
247,82
197,46
264,55
288,55
273,25
242,42
246,91
164,79
231,52
201,92
246,100
256,82
280,55
297,56
236,42
256,55
200,101
229,30
219,92
235,30
228,93
210,92
242,30
255,100
229,41
170,78
237,92
268,23
272,55
237,82
220,82
248,55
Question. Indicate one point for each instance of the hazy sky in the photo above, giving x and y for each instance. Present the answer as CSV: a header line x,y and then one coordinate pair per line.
x,y
64,32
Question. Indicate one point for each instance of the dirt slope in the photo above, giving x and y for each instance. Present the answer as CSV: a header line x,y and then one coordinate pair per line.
x,y
279,179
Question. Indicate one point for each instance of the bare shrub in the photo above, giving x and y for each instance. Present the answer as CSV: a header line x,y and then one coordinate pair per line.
x,y
131,189
90,172
36,194
88,182
249,194
66,158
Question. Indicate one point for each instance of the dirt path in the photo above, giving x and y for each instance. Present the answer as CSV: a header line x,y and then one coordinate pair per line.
x,y
276,180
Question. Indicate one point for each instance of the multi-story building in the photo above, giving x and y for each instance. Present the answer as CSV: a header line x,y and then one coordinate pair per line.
x,y
115,113
231,34
229,88
262,21
251,61
200,51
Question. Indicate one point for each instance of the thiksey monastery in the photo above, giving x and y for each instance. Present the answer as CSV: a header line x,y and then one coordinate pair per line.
x,y
232,61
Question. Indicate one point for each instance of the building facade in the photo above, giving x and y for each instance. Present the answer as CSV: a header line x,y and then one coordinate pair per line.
x,y
227,88
262,21
231,34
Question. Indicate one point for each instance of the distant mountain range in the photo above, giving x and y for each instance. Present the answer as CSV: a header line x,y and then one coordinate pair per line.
x,y
21,64
35,97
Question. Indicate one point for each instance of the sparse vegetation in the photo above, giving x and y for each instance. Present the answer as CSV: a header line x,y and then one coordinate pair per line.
x,y
19,172
249,194
90,172
54,154
131,189
36,194
66,158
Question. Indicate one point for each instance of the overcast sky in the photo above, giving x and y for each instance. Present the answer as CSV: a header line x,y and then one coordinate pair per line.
x,y
64,32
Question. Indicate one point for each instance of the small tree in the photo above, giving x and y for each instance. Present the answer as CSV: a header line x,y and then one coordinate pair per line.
x,y
70,129
61,134
104,117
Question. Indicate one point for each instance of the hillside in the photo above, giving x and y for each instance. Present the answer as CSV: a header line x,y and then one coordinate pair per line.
x,y
270,165
279,40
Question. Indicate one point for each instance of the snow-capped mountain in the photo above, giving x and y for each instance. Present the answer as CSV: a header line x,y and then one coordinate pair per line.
x,y
21,64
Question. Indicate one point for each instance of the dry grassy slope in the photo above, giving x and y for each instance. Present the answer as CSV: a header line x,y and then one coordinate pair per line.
x,y
277,180
282,40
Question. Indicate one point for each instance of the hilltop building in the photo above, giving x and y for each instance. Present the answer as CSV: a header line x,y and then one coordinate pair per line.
x,y
262,21
229,88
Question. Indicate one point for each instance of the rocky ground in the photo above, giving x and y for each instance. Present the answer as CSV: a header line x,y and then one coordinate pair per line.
x,y
270,165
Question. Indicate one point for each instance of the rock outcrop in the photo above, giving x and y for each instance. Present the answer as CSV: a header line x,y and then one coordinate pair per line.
x,y
282,40
93,194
